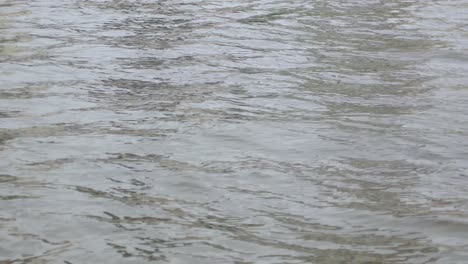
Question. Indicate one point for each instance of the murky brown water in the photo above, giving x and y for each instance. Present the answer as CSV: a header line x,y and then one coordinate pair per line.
x,y
233,131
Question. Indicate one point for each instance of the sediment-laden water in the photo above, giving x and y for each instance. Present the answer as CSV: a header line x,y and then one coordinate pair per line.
x,y
233,131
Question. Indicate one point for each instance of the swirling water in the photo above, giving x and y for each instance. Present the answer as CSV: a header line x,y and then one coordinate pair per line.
x,y
259,131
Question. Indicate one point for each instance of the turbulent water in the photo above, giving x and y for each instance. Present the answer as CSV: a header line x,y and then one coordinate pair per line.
x,y
211,131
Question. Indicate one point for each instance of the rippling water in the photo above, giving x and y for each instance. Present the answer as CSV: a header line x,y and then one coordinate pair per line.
x,y
259,131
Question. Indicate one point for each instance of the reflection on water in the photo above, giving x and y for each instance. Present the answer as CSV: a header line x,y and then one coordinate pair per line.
x,y
224,132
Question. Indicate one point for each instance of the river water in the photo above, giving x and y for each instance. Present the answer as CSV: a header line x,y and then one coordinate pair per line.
x,y
211,131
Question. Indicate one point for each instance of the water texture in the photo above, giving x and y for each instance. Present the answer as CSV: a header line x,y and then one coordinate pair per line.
x,y
211,131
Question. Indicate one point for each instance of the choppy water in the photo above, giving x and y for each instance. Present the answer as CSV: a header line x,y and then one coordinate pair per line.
x,y
260,131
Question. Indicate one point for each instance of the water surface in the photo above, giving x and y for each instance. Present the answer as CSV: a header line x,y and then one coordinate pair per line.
x,y
255,131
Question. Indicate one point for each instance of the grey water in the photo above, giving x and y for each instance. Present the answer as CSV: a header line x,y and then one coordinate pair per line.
x,y
212,131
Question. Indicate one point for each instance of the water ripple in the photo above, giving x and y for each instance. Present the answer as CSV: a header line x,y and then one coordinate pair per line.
x,y
233,132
